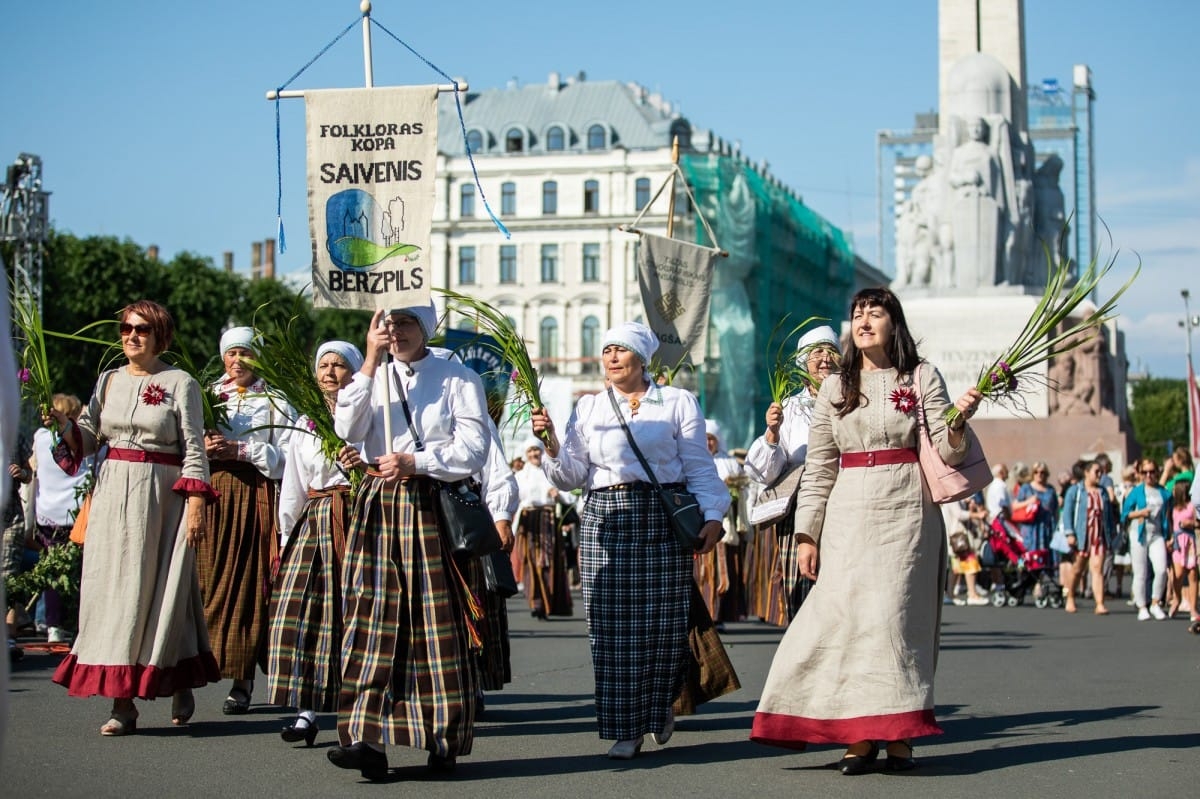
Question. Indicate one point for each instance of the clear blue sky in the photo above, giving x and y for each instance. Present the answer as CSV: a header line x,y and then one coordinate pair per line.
x,y
152,122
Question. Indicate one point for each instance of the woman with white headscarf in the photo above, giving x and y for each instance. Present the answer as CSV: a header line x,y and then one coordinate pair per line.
x,y
234,560
305,637
408,671
718,574
547,583
776,588
636,576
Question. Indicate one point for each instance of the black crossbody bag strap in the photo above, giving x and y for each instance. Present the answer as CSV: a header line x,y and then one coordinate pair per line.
x,y
412,429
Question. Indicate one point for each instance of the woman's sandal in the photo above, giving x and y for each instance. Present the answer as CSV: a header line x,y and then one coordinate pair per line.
x,y
120,723
183,705
237,703
900,762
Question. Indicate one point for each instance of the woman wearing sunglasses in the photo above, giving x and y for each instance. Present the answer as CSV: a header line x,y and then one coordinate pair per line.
x,y
141,624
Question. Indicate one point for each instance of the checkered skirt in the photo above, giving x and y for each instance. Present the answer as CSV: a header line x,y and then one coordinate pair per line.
x,y
636,588
305,637
408,672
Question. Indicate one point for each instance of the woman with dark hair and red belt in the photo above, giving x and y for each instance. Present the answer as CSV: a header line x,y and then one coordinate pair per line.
x,y
141,623
856,665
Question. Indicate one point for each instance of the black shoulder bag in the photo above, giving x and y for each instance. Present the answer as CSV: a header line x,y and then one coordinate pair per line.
x,y
465,518
680,505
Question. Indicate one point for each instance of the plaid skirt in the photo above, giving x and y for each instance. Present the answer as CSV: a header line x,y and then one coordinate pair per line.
x,y
304,641
795,587
234,563
408,670
495,656
636,590
547,585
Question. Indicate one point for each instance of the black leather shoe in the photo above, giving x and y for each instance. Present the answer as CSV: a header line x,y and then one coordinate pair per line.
x,y
237,703
853,765
899,762
293,734
371,764
440,765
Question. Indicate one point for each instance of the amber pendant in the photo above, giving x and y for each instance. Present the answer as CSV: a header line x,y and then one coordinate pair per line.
x,y
634,404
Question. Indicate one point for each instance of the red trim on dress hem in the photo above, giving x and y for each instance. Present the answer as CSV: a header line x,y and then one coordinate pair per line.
x,y
135,681
795,732
190,485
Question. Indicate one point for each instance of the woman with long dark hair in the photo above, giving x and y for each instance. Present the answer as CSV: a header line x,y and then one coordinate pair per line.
x,y
856,665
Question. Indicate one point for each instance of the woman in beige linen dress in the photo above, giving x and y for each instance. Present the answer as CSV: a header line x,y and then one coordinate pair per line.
x,y
856,665
141,622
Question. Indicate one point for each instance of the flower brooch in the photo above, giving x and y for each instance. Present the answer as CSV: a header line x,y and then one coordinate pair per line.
x,y
904,399
154,394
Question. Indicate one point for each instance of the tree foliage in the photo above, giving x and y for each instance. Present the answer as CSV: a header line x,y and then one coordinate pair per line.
x,y
89,279
1159,415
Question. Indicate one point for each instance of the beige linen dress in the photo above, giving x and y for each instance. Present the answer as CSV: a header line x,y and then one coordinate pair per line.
x,y
141,622
857,662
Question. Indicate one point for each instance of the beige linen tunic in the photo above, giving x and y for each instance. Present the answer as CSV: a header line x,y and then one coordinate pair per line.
x,y
857,662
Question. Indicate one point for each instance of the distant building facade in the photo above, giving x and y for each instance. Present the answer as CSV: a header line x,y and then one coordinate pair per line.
x,y
565,163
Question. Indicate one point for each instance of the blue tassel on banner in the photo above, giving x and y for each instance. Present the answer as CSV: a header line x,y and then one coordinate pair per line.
x,y
279,237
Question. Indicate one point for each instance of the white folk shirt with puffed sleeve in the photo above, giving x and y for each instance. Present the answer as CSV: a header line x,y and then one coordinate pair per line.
x,y
260,421
764,462
448,407
305,468
669,430
500,492
536,489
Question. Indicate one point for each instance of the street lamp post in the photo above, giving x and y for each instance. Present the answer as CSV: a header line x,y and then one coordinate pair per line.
x,y
1187,323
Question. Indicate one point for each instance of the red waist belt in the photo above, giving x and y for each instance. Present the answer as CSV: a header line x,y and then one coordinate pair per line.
x,y
142,456
879,457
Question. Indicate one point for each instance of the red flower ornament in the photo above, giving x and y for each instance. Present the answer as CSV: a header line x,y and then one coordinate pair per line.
x,y
904,399
154,394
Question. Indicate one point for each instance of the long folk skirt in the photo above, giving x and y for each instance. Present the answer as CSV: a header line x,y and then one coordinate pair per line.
x,y
547,586
495,655
305,638
234,563
408,669
764,578
795,587
636,590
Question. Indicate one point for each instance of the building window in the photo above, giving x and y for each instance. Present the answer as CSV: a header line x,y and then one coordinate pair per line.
x,y
590,345
555,139
591,263
514,141
549,263
508,199
508,263
475,141
466,265
466,201
550,197
596,137
548,345
641,193
591,196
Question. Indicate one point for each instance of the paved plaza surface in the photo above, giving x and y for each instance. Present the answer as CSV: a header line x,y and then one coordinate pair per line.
x,y
1033,703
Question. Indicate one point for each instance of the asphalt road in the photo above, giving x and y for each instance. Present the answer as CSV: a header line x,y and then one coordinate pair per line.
x,y
1033,703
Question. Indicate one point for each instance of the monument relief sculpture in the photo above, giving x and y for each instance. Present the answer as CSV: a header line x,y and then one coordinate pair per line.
x,y
976,209
916,230
1050,223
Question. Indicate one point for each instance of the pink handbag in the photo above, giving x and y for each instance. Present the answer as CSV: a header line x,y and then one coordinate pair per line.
x,y
949,483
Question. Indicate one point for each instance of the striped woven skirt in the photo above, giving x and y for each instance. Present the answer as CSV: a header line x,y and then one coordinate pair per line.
x,y
636,590
495,655
304,641
234,564
719,578
408,669
795,587
547,586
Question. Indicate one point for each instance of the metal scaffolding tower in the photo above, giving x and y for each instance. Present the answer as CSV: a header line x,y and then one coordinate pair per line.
x,y
24,219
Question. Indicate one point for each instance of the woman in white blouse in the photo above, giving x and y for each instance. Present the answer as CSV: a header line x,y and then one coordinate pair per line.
x,y
636,575
305,638
408,677
234,560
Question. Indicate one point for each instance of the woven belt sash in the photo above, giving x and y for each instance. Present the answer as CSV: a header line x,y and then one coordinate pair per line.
x,y
142,456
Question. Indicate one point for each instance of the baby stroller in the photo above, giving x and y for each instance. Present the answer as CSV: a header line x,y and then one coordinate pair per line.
x,y
1023,569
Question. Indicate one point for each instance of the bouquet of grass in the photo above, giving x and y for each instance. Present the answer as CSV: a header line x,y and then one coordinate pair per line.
x,y
664,374
286,365
1051,330
216,415
509,346
34,372
789,371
